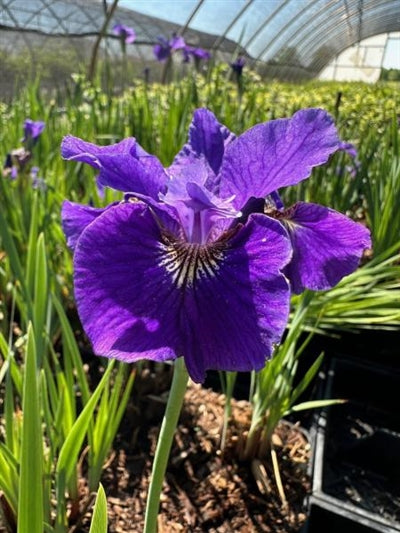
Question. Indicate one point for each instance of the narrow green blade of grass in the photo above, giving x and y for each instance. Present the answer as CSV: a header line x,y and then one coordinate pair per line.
x,y
9,477
30,504
41,295
71,349
69,452
10,248
314,404
4,353
99,519
32,243
3,346
107,422
308,377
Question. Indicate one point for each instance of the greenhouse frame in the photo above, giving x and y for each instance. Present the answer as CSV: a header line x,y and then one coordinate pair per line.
x,y
288,40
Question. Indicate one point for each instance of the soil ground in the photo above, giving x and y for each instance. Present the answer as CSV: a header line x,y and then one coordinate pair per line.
x,y
206,489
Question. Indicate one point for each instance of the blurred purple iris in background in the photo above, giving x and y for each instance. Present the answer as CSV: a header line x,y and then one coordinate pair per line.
x,y
17,160
164,48
196,53
351,150
126,33
199,260
37,182
237,65
32,131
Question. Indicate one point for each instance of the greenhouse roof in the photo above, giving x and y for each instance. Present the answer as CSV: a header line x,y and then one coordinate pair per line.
x,y
302,35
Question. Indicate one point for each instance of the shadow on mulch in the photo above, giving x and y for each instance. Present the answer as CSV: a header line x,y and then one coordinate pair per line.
x,y
205,489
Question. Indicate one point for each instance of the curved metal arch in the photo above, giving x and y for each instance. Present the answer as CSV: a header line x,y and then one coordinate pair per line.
x,y
303,27
333,28
287,71
285,27
303,66
219,39
350,14
306,24
319,26
306,40
319,67
386,24
262,26
185,26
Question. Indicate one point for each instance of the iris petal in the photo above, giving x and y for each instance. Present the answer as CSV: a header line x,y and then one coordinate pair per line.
x,y
207,138
168,273
232,317
124,166
75,218
137,302
276,154
326,246
126,303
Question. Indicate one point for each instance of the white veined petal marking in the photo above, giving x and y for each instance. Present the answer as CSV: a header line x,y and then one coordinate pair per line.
x,y
191,262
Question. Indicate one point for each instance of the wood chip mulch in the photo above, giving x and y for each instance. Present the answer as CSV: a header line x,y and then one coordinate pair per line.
x,y
206,490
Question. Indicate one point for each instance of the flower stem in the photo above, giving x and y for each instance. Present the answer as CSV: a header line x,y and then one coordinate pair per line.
x,y
173,409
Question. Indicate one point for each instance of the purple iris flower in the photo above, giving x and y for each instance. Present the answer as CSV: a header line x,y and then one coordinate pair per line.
x,y
9,168
32,132
351,150
237,65
199,260
16,161
196,53
164,48
126,33
37,182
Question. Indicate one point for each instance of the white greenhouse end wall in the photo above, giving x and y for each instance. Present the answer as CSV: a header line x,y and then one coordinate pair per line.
x,y
363,62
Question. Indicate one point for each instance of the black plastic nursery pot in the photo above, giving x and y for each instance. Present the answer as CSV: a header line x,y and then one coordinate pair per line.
x,y
356,460
326,517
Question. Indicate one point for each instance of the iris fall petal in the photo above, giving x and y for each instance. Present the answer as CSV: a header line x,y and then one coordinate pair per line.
x,y
326,246
75,218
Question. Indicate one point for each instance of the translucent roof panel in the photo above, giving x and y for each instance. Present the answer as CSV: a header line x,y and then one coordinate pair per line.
x,y
293,38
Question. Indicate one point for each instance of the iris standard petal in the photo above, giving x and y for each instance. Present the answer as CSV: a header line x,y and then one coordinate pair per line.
x,y
124,166
32,129
207,138
177,42
75,218
276,154
238,306
326,246
126,301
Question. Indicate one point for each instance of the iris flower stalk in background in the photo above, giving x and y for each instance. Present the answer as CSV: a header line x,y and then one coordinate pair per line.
x,y
237,69
237,66
32,131
18,159
198,261
125,33
164,50
198,55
